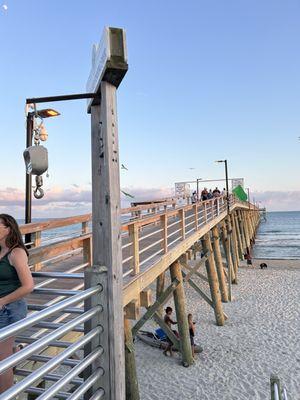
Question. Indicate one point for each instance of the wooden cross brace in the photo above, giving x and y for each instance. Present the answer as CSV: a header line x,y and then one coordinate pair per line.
x,y
155,306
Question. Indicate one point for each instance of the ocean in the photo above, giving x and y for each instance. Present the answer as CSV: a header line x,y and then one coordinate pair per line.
x,y
279,236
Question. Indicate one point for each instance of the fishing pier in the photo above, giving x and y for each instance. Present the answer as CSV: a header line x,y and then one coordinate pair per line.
x,y
93,290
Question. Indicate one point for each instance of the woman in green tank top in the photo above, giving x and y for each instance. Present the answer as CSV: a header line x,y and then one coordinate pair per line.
x,y
15,283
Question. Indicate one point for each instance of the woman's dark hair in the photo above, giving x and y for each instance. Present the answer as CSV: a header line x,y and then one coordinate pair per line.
x,y
168,309
14,238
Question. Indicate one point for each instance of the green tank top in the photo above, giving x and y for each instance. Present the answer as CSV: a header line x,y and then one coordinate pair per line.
x,y
9,280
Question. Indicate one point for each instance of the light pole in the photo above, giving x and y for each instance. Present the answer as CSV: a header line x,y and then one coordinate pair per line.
x,y
198,179
46,113
229,232
248,191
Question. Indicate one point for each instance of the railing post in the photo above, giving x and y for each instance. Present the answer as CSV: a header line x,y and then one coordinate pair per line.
x,y
164,226
37,240
205,211
133,231
182,222
87,251
196,216
84,227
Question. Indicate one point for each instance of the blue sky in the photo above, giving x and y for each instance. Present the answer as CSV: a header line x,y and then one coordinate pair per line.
x,y
206,80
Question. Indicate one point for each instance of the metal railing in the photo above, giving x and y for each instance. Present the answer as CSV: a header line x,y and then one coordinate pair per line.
x,y
30,351
278,392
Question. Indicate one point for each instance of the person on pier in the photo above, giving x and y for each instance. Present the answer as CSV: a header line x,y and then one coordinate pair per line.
x,y
168,320
15,283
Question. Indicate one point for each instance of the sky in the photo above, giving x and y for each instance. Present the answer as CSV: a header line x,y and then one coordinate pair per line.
x,y
207,80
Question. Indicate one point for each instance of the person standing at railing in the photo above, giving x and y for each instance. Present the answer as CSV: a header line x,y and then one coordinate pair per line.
x,y
15,283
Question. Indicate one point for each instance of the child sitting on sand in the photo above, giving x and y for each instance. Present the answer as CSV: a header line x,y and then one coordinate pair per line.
x,y
192,333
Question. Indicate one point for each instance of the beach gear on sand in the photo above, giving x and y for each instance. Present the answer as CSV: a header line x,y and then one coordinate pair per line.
x,y
159,339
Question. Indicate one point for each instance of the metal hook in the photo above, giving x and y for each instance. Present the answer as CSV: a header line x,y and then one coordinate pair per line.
x,y
38,193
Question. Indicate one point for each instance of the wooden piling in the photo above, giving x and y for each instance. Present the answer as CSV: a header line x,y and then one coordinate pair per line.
x,y
132,387
226,247
213,280
160,285
183,327
242,230
238,236
233,249
219,264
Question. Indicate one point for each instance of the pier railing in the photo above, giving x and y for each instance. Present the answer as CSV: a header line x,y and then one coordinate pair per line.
x,y
55,331
277,391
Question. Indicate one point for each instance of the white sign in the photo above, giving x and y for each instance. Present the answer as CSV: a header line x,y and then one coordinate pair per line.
x,y
237,182
182,189
110,54
101,54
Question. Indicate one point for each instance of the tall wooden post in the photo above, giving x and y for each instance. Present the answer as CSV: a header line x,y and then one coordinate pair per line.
x,y
242,230
239,236
213,280
247,235
107,237
233,249
219,264
182,322
132,387
226,247
160,285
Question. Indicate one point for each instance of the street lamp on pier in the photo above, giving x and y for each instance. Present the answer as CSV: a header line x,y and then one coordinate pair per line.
x,y
31,115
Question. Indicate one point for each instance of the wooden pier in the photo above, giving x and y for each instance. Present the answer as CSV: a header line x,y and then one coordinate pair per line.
x,y
164,236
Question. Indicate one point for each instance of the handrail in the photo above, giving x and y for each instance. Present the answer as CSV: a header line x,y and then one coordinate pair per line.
x,y
278,392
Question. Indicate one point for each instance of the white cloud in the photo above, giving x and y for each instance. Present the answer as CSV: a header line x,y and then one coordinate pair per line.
x,y
60,202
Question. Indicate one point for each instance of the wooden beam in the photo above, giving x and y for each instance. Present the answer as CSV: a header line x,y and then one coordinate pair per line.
x,y
171,335
213,281
182,322
193,270
146,298
107,247
132,310
131,380
46,252
219,264
155,306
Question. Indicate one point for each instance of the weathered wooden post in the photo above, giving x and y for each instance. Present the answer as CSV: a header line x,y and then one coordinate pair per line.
x,y
239,236
233,249
108,69
219,264
183,327
226,247
132,387
213,280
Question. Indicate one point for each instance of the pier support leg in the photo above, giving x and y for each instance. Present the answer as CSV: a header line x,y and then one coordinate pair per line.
x,y
213,280
160,285
233,249
239,236
219,264
132,387
183,327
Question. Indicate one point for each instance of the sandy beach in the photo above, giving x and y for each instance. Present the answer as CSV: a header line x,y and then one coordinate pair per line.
x,y
260,337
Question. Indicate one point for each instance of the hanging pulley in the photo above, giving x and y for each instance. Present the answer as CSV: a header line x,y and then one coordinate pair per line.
x,y
36,160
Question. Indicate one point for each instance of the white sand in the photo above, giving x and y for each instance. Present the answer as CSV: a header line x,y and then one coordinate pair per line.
x,y
261,337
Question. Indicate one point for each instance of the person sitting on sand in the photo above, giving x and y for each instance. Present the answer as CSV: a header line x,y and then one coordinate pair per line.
x,y
168,320
192,333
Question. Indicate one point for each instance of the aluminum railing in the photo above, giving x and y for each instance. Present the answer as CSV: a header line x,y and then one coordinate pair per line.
x,y
31,350
278,392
